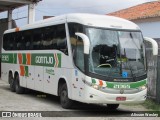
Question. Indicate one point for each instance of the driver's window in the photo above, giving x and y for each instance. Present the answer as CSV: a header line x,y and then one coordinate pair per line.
x,y
104,55
77,45
79,55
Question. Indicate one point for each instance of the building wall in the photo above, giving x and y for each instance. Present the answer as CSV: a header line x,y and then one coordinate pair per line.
x,y
150,27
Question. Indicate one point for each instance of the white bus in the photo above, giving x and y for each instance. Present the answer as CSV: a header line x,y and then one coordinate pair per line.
x,y
89,58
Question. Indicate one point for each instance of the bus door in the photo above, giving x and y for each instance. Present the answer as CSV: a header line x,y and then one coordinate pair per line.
x,y
30,78
49,80
39,78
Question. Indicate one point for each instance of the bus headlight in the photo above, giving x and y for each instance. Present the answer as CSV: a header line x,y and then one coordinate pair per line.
x,y
97,87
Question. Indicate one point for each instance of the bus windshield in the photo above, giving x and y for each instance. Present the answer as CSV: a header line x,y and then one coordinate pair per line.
x,y
116,54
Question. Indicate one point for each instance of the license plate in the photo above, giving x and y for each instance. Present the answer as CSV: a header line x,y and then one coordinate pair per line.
x,y
120,98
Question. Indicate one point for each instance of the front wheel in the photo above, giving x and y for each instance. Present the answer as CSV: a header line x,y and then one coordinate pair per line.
x,y
112,106
64,100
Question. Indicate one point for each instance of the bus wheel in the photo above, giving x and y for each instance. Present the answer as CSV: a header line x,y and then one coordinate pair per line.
x,y
64,100
12,83
112,106
18,88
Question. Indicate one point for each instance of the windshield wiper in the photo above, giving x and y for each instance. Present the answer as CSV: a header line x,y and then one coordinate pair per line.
x,y
129,65
133,75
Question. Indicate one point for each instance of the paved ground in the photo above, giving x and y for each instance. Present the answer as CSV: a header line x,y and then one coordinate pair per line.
x,y
36,101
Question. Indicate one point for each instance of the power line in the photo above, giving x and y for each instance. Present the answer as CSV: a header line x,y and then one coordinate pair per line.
x,y
13,19
20,11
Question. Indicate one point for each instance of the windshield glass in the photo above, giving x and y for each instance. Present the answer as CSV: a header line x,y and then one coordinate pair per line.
x,y
117,54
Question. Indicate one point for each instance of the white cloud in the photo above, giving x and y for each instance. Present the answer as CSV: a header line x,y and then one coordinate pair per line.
x,y
56,7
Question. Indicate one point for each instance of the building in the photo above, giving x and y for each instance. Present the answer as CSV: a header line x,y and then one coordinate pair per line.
x,y
146,15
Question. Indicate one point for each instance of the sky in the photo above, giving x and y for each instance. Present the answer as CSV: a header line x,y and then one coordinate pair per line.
x,y
59,7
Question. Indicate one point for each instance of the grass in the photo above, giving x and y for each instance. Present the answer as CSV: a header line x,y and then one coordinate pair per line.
x,y
150,104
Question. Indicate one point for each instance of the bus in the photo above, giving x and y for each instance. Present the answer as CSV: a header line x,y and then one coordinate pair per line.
x,y
94,59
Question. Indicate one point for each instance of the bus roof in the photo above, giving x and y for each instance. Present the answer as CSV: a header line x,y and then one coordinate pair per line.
x,y
85,19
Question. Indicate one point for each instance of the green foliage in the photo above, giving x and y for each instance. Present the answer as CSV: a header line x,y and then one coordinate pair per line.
x,y
150,104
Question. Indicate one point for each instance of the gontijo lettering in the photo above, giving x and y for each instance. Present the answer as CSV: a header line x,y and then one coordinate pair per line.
x,y
44,60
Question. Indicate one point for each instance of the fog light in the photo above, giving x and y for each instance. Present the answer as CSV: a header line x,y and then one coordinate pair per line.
x,y
142,87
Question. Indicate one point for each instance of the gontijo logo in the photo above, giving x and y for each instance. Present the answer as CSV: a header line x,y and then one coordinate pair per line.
x,y
50,60
44,60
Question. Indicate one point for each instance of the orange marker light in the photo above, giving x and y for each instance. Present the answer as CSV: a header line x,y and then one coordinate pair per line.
x,y
100,83
17,29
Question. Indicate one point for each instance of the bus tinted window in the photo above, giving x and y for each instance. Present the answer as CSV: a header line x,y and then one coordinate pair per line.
x,y
46,38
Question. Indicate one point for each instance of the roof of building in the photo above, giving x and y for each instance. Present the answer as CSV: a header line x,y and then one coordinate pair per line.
x,y
145,10
12,4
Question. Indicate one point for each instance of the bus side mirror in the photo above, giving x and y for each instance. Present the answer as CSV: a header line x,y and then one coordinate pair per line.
x,y
154,45
86,42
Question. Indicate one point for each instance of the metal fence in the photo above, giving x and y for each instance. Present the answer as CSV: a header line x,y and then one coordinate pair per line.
x,y
153,70
158,80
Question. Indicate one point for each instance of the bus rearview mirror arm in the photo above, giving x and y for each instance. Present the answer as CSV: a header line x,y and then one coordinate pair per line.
x,y
154,45
86,41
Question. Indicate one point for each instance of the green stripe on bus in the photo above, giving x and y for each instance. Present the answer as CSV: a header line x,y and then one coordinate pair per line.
x,y
9,58
37,59
138,84
24,59
59,59
132,84
93,81
15,58
129,84
26,71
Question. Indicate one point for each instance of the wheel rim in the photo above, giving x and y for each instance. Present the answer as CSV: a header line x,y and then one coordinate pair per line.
x,y
64,97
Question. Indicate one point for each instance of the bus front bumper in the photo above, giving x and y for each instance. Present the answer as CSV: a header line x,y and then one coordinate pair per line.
x,y
96,96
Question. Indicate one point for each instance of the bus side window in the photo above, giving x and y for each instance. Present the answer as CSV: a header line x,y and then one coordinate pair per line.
x,y
47,38
61,39
6,41
12,41
26,40
37,38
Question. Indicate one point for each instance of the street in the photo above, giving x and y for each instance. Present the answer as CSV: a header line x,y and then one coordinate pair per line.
x,y
37,101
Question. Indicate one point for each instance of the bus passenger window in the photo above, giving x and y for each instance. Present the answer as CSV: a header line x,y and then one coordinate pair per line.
x,y
61,39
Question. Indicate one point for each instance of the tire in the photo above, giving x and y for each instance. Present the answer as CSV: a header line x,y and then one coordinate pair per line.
x,y
18,88
64,100
10,77
112,106
12,83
